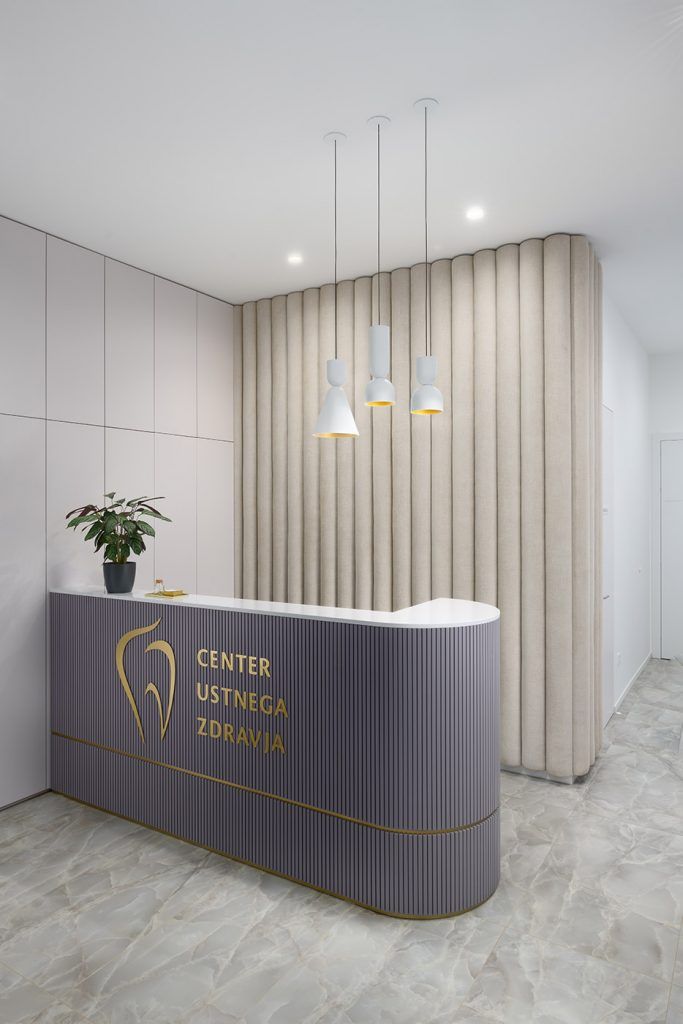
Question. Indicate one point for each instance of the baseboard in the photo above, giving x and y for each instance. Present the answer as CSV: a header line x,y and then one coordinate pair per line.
x,y
24,799
564,780
630,683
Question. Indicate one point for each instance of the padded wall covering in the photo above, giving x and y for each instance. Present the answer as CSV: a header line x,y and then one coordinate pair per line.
x,y
497,499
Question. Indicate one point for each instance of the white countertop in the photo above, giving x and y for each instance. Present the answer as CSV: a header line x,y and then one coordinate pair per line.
x,y
441,612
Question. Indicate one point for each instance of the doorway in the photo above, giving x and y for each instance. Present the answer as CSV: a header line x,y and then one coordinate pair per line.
x,y
671,547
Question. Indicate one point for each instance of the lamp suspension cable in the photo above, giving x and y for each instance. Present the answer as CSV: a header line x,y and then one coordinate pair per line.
x,y
379,207
427,280
335,249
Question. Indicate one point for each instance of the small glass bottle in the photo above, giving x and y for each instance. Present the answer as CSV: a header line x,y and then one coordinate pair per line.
x,y
158,586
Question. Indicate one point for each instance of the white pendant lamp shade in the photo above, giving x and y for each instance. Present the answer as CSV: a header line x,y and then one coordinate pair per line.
x,y
336,419
380,391
426,399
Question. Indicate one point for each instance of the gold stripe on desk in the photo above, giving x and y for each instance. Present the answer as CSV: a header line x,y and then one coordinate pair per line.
x,y
272,871
272,796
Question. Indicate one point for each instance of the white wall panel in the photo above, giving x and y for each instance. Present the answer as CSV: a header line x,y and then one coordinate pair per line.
x,y
23,768
75,333
176,480
175,339
75,476
215,517
22,319
214,369
129,470
129,347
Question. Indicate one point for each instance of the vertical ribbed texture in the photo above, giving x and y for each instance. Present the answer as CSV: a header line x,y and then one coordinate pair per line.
x,y
442,430
485,475
249,458
532,409
264,451
363,494
462,342
346,459
327,453
558,505
237,434
393,727
295,450
498,499
421,453
279,446
509,571
401,375
311,408
381,475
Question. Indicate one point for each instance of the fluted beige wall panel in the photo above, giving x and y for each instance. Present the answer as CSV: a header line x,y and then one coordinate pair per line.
x,y
295,449
421,453
249,455
558,504
485,439
401,374
264,450
311,407
442,430
363,445
508,456
381,474
462,342
345,461
327,453
532,444
497,499
237,434
279,447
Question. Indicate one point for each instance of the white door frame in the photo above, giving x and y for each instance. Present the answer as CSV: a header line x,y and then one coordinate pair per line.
x,y
657,538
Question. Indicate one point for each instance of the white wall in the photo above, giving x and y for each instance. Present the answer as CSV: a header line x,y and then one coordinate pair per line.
x,y
110,379
626,392
666,389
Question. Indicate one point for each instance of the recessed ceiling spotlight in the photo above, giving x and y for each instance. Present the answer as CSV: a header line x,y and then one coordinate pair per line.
x,y
295,257
474,212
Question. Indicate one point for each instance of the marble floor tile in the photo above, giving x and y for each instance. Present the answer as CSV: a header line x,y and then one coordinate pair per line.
x,y
58,952
639,785
678,967
675,1011
527,978
104,922
22,1002
650,726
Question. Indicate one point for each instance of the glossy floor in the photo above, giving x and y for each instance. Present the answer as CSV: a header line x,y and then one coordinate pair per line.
x,y
103,921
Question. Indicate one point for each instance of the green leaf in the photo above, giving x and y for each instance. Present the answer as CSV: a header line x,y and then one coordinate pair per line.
x,y
73,523
110,523
130,527
155,515
110,553
92,532
146,528
136,545
110,495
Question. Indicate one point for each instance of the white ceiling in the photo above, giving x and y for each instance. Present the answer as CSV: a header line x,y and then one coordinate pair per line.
x,y
185,137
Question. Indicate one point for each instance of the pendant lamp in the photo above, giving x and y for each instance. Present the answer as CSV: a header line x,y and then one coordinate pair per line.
x,y
380,391
335,419
426,399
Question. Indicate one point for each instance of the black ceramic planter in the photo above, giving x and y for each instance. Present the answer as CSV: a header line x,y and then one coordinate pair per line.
x,y
119,579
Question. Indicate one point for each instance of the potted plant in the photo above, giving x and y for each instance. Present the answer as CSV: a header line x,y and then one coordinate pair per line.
x,y
119,528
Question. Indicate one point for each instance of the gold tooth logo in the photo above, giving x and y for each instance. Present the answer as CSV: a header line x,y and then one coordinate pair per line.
x,y
155,645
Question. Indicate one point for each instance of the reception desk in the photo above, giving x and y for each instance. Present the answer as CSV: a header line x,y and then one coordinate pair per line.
x,y
354,752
